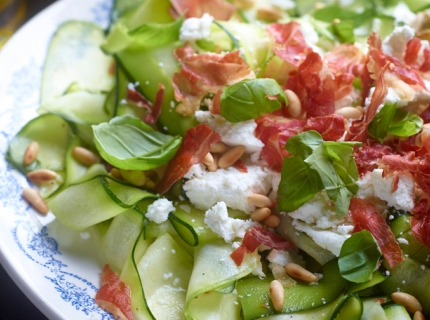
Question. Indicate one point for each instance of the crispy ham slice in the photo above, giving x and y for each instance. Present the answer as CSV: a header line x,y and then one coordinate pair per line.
x,y
114,295
205,73
274,132
195,145
420,222
255,237
365,216
290,44
153,111
219,9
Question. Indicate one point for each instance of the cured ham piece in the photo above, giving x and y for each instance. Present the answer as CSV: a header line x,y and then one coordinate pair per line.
x,y
315,86
346,58
420,222
366,157
205,73
274,132
219,9
153,110
195,145
290,44
255,237
365,216
114,295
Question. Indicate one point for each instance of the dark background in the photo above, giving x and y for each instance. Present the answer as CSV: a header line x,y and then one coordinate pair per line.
x,y
14,305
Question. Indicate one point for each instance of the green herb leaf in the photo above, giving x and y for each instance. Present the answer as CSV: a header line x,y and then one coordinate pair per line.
x,y
128,143
152,35
344,30
359,256
299,183
250,99
393,120
316,164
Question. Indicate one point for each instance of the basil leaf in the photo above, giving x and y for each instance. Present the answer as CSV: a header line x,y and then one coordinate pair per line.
x,y
316,164
250,99
359,256
393,120
128,143
152,35
299,183
344,30
335,11
405,124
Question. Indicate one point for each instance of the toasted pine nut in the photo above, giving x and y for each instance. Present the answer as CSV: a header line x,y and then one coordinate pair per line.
x,y
149,184
269,14
298,272
115,173
85,156
214,166
350,112
34,198
135,177
30,153
294,104
277,294
336,21
41,175
418,315
218,147
244,4
407,300
208,159
259,200
231,156
260,214
272,221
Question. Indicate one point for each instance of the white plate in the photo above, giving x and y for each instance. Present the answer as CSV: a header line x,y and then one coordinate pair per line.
x,y
60,275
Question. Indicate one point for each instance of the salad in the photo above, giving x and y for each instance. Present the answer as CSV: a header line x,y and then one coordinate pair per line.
x,y
242,159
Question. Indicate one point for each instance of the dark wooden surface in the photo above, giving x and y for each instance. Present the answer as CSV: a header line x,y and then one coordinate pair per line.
x,y
14,305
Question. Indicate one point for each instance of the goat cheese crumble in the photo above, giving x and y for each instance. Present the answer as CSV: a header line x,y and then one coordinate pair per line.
x,y
205,188
218,221
196,28
159,210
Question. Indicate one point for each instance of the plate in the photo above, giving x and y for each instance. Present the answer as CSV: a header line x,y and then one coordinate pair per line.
x,y
59,274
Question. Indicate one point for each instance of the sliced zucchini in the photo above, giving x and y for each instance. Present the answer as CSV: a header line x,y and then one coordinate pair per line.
x,y
74,57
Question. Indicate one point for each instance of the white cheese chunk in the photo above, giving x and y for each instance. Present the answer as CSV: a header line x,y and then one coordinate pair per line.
x,y
281,257
159,210
218,221
232,134
395,43
196,28
374,184
205,188
327,239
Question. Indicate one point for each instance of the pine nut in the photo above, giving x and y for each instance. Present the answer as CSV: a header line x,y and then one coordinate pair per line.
x,y
272,221
298,272
208,159
410,303
115,173
30,153
42,175
277,294
149,184
135,177
350,112
268,14
244,4
231,156
85,156
218,147
294,104
418,315
259,200
34,198
260,214
214,166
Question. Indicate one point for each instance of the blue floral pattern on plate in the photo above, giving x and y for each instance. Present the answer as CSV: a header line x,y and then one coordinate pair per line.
x,y
33,240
